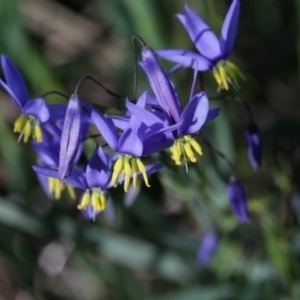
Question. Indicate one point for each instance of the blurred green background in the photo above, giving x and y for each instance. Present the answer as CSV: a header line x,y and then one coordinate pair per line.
x,y
148,251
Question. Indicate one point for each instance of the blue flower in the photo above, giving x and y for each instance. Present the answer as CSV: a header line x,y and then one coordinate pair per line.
x,y
207,248
237,199
34,112
131,145
94,180
178,124
214,52
254,145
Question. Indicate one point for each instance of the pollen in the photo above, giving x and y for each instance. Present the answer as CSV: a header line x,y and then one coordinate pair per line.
x,y
127,167
55,187
28,125
185,147
94,196
226,73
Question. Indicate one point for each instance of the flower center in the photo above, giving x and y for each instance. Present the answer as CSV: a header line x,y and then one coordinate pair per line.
x,y
127,166
28,125
226,72
185,147
96,197
56,187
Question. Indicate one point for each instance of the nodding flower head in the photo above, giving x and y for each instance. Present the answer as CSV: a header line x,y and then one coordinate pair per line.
x,y
34,112
254,145
213,52
237,199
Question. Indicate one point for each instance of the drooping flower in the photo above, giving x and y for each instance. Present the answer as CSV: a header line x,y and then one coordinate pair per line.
x,y
254,145
207,248
70,138
237,199
94,180
213,52
188,121
34,112
131,145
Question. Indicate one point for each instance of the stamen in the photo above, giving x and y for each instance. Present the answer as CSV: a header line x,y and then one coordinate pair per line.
x,y
20,123
85,200
128,166
185,147
71,191
226,72
27,131
142,169
118,167
127,173
135,170
37,133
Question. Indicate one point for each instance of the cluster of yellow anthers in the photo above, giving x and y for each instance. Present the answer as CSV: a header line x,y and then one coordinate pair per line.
x,y
28,125
55,187
127,166
227,73
96,197
185,147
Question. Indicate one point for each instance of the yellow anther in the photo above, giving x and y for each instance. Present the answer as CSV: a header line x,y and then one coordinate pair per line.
x,y
196,146
188,145
176,154
129,166
96,201
85,200
37,133
135,170
71,191
223,75
142,169
217,77
102,201
27,131
20,123
226,72
127,173
189,152
118,167
55,187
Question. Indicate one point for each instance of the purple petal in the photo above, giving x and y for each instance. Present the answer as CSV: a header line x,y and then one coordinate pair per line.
x,y
194,115
120,122
57,111
208,247
48,153
76,179
98,171
14,81
106,128
131,195
160,83
130,143
237,199
185,58
201,35
37,107
70,137
147,117
154,168
254,145
212,114
229,28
